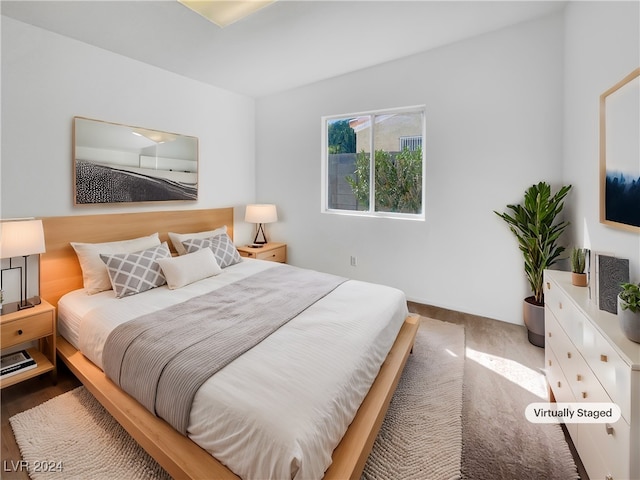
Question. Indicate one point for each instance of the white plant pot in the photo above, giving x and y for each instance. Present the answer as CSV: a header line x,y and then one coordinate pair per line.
x,y
629,322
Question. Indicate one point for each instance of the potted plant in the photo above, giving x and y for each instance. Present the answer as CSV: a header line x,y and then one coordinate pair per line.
x,y
629,311
578,277
533,222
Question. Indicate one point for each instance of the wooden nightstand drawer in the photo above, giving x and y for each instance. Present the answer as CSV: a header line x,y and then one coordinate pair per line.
x,y
272,252
27,329
277,255
36,324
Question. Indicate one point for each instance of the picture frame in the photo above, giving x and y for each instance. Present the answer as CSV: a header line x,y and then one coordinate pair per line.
x,y
620,154
115,163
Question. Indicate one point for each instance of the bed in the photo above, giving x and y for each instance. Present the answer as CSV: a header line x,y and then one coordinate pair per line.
x,y
191,456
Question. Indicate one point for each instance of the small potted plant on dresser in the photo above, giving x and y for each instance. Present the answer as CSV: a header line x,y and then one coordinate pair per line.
x,y
578,277
629,311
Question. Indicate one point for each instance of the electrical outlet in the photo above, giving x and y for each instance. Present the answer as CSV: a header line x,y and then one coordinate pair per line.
x,y
354,261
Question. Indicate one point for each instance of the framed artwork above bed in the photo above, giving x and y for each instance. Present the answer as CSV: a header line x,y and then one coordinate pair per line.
x,y
114,163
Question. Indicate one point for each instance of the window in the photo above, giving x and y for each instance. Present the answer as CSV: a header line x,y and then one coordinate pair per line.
x,y
391,182
412,143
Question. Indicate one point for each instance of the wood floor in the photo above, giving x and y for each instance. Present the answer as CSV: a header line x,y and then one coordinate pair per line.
x,y
26,395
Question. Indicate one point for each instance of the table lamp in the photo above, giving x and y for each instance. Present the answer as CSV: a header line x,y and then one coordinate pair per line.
x,y
260,214
21,238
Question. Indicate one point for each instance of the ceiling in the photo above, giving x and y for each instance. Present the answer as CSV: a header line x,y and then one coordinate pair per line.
x,y
282,46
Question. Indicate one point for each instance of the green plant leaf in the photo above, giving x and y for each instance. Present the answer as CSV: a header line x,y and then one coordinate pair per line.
x,y
533,225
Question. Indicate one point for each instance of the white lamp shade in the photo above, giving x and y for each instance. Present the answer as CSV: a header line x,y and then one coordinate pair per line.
x,y
261,213
20,238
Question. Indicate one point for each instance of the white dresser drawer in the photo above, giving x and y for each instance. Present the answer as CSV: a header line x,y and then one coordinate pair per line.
x,y
566,312
559,386
612,372
557,379
591,456
567,355
613,440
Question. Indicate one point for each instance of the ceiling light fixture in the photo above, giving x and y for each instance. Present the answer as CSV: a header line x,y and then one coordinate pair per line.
x,y
225,12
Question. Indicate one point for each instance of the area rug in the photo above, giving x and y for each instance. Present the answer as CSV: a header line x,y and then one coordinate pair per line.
x,y
80,441
420,439
499,443
421,436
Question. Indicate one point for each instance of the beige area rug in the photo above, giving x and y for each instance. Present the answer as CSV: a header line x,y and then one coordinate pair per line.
x,y
499,443
421,436
81,440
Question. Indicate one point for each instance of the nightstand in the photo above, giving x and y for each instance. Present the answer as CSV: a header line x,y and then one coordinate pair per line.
x,y
272,251
36,323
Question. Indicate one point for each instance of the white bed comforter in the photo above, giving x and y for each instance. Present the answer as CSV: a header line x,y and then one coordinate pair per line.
x,y
279,410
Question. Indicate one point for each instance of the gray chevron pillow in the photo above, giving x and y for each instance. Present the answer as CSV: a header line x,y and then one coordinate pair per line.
x,y
223,248
137,272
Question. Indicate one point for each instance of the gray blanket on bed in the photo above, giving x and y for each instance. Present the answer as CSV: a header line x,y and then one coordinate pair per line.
x,y
163,358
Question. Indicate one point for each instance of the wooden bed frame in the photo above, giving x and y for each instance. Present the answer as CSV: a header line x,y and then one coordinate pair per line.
x,y
177,454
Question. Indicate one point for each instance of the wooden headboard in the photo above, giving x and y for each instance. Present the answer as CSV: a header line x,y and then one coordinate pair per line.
x,y
59,268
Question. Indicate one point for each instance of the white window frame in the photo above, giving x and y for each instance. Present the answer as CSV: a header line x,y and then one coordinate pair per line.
x,y
325,162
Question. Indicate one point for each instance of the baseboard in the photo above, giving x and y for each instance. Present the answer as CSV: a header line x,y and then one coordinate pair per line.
x,y
450,315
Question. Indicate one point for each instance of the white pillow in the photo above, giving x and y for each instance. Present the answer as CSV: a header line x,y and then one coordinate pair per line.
x,y
94,272
178,238
189,268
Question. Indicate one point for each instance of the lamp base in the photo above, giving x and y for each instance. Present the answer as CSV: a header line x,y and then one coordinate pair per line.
x,y
11,307
259,231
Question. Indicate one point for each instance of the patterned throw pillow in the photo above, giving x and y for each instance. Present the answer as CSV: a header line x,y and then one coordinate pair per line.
x,y
178,238
221,245
137,272
94,274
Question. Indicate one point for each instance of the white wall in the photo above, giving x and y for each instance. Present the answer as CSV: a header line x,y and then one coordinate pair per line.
x,y
494,127
504,110
47,79
602,46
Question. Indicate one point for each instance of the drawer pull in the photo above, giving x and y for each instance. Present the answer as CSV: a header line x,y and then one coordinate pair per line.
x,y
559,384
550,334
584,394
560,305
568,354
20,332
549,362
608,477
579,377
609,429
604,358
548,285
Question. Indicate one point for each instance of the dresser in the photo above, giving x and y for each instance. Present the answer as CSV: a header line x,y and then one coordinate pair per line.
x,y
589,359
